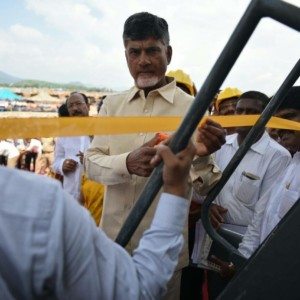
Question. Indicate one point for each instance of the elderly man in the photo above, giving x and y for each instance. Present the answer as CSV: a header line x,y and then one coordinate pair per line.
x,y
122,163
68,154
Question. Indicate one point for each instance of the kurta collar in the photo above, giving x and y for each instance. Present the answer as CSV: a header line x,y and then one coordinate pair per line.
x,y
167,91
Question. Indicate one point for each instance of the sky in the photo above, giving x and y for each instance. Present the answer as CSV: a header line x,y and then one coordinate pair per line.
x,y
81,40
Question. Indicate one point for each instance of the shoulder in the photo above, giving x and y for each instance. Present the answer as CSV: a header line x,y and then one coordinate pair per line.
x,y
117,97
277,148
182,96
31,195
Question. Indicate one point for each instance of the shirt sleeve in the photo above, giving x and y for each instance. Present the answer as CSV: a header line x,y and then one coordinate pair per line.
x,y
102,167
97,268
204,174
276,169
59,157
251,239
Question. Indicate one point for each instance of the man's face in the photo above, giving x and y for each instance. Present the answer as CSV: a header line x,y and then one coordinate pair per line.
x,y
147,61
227,107
77,106
247,106
289,139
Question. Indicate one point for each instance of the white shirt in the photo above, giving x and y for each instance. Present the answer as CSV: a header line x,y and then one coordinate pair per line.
x,y
35,145
8,149
272,207
68,148
51,248
265,161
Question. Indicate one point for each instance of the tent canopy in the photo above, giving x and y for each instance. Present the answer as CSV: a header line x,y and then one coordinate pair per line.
x,y
43,96
7,94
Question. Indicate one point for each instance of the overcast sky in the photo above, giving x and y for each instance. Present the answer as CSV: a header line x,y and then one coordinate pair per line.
x,y
80,40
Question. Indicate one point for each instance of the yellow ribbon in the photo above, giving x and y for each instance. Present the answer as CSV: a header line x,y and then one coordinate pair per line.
x,y
77,126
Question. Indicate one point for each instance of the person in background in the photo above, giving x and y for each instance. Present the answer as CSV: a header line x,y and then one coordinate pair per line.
x,y
63,111
283,193
10,151
30,152
99,104
183,81
122,162
51,249
225,104
264,162
68,154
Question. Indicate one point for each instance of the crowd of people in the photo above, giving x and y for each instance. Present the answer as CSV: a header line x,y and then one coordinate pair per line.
x,y
51,248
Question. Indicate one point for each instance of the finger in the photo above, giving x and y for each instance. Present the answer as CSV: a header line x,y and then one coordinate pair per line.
x,y
152,142
218,217
220,132
214,222
210,140
145,172
167,140
167,155
148,151
210,122
188,153
155,160
215,213
223,210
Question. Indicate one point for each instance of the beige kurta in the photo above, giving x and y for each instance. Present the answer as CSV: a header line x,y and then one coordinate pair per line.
x,y
105,160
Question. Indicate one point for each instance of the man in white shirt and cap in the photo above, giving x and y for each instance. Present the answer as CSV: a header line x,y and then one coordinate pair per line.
x,y
281,196
264,162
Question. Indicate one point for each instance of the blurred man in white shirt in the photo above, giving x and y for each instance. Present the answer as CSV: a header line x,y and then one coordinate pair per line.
x,y
68,154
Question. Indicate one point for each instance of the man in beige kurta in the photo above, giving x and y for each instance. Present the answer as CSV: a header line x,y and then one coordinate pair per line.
x,y
122,162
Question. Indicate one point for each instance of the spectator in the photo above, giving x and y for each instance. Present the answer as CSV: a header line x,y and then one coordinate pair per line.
x,y
9,150
264,162
284,192
68,154
225,104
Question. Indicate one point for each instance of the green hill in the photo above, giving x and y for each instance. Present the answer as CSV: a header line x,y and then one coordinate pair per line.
x,y
54,85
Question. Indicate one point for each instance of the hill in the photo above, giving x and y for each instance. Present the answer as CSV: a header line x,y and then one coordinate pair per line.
x,y
8,79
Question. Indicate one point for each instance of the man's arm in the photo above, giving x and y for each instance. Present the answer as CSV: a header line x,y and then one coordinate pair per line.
x,y
59,156
251,239
275,170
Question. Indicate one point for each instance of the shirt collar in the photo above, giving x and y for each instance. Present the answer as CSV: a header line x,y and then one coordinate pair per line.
x,y
167,91
260,146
